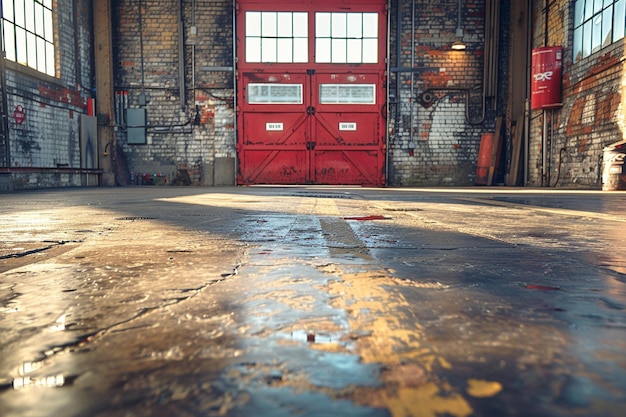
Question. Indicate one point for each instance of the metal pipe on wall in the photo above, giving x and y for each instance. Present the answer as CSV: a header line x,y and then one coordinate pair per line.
x,y
235,88
490,59
412,90
193,51
387,92
545,175
398,63
5,101
529,43
544,149
141,53
181,57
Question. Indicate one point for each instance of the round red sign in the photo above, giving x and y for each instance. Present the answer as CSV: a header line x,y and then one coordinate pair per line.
x,y
19,115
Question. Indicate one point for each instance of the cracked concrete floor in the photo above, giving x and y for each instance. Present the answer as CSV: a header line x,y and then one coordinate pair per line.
x,y
312,301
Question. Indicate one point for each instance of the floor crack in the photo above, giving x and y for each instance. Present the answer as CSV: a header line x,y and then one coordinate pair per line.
x,y
38,250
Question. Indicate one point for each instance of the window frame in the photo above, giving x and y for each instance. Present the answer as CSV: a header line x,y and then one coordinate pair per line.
x,y
266,38
591,32
346,37
28,34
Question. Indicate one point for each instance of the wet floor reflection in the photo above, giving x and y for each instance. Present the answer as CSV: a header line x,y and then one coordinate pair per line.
x,y
334,307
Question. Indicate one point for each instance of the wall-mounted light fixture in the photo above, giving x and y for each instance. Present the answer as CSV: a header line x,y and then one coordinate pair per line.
x,y
458,44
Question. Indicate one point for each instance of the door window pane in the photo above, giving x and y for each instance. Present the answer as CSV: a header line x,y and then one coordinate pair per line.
x,y
268,24
268,49
370,51
285,50
354,51
355,25
253,49
253,24
322,50
338,29
264,93
338,51
300,25
322,25
347,94
300,50
346,38
271,37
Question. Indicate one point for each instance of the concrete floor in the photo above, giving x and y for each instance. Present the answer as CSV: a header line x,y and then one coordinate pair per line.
x,y
312,301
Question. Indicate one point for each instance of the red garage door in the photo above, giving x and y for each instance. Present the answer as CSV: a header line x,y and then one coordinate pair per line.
x,y
311,80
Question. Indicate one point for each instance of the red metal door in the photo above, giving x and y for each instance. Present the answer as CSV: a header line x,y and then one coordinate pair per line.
x,y
311,92
274,129
348,134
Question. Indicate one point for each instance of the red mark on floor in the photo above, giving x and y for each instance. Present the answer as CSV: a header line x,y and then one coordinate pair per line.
x,y
542,287
366,218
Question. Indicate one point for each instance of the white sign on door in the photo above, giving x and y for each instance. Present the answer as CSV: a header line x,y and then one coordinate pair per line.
x,y
273,126
347,126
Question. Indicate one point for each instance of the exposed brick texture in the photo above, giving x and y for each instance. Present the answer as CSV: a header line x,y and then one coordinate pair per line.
x,y
593,112
434,144
184,135
48,138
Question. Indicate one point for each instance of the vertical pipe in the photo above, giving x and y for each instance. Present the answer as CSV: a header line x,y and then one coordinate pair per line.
x,y
141,54
387,93
398,64
77,61
181,57
529,43
544,149
235,87
412,90
5,101
193,52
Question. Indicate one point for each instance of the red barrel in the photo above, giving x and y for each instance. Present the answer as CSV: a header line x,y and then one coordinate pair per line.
x,y
546,66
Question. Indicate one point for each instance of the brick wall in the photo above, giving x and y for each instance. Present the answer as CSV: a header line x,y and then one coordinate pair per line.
x,y
591,117
436,143
187,137
45,147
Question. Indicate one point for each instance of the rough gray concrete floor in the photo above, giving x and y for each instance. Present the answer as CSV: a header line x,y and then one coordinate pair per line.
x,y
312,301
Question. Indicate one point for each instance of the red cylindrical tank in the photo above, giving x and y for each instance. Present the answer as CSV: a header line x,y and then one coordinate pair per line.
x,y
546,66
484,159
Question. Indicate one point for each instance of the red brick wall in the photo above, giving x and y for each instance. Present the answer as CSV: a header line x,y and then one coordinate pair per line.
x,y
44,149
185,135
444,145
434,144
591,114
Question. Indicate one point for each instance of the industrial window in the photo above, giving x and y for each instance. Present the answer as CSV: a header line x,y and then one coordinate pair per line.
x,y
347,94
346,38
277,37
597,23
263,93
28,33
